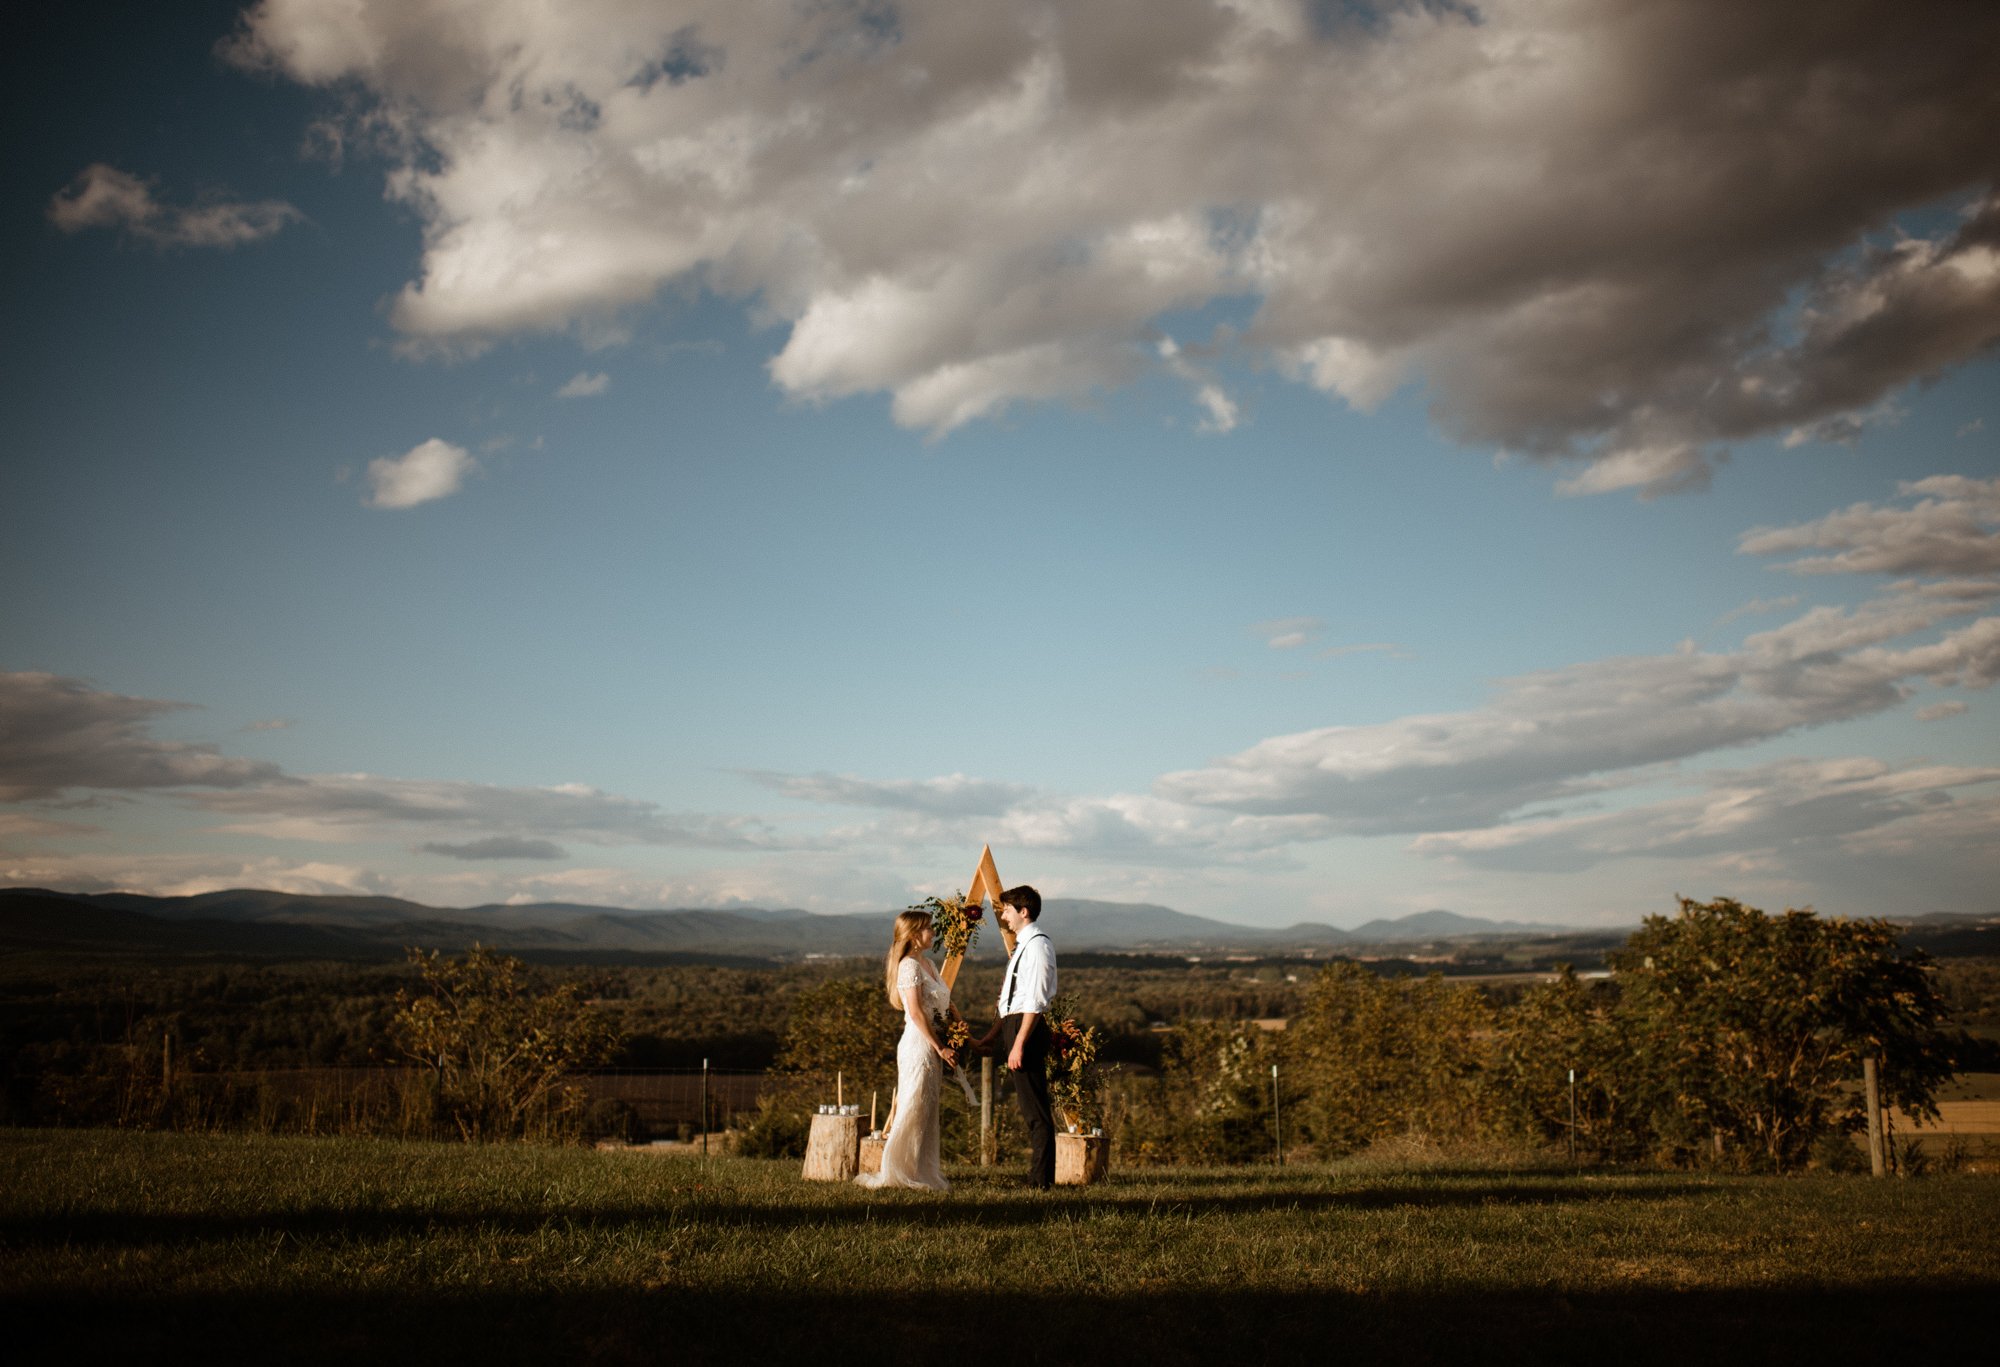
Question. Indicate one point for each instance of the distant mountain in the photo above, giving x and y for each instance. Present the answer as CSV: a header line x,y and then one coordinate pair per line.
x,y
256,921
1448,925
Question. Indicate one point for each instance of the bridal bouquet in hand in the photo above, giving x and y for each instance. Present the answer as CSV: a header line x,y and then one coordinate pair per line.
x,y
952,1032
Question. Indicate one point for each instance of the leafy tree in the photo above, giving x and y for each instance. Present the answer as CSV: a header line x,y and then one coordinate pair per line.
x,y
499,1054
1376,1058
1211,1102
1751,1028
844,1026
1562,1025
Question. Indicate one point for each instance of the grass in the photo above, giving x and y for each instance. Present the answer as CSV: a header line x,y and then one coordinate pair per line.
x,y
127,1245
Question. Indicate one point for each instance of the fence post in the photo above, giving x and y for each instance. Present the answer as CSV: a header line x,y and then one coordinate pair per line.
x,y
1871,1087
704,1108
986,1144
1572,1117
1277,1119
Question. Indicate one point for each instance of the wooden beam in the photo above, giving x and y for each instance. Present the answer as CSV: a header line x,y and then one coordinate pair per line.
x,y
985,886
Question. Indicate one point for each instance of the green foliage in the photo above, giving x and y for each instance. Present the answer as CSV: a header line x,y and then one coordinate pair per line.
x,y
498,1054
842,1027
1749,1028
1072,1063
1563,1025
1374,1058
779,1129
956,922
1210,1103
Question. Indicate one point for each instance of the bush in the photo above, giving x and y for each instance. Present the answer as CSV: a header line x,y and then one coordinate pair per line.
x,y
777,1130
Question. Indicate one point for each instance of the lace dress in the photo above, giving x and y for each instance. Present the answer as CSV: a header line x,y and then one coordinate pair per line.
x,y
910,1157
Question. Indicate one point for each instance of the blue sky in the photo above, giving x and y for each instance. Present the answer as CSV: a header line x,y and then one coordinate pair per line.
x,y
1226,456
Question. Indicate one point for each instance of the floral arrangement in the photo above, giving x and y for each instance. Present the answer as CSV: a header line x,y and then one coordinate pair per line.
x,y
955,920
1072,1062
952,1031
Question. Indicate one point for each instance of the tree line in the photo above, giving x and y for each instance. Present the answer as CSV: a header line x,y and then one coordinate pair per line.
x,y
1724,1035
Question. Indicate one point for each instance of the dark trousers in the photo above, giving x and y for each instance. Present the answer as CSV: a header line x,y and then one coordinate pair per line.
x,y
1031,1094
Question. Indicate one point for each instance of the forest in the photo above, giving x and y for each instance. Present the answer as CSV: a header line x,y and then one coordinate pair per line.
x,y
1365,1051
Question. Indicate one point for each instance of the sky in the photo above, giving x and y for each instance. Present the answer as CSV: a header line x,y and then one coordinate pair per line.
x,y
1286,460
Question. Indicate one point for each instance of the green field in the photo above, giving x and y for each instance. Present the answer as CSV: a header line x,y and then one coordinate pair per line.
x,y
129,1246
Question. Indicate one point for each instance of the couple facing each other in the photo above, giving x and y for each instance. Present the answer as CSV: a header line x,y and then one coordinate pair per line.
x,y
910,1155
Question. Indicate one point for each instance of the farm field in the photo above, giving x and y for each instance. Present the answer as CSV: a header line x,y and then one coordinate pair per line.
x,y
128,1246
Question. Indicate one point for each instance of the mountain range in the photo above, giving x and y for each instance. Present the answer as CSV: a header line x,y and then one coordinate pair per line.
x,y
262,922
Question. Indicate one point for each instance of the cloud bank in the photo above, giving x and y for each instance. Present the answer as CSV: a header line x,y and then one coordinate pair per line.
x,y
1621,235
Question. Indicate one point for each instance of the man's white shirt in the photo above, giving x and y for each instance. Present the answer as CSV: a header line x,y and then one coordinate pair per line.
x,y
1031,973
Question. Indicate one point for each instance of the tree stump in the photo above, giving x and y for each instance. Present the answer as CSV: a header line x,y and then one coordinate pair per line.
x,y
833,1150
871,1152
1081,1159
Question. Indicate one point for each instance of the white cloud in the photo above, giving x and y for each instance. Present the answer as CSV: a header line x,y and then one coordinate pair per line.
x,y
1566,732
1221,409
1588,231
585,386
1938,711
1953,527
105,197
430,470
343,808
1289,633
16,825
496,847
1734,813
1389,648
58,735
186,875
1757,607
952,795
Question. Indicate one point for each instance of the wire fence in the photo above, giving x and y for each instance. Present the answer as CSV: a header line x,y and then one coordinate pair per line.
x,y
668,1103
638,1104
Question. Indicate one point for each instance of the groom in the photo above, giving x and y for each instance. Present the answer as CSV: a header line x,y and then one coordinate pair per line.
x,y
1025,992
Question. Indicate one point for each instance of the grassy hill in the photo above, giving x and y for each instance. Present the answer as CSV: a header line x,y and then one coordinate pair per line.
x,y
127,1246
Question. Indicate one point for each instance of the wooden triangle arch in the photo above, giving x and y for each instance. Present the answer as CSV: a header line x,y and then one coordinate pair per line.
x,y
985,886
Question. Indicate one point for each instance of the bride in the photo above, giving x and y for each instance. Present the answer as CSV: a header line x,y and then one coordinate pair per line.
x,y
910,1157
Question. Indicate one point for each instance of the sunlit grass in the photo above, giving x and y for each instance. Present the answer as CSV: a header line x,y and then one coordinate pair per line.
x,y
155,1220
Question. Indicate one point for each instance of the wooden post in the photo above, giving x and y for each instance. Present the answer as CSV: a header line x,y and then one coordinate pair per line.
x,y
987,1147
1572,1117
1873,1096
1277,1119
704,1108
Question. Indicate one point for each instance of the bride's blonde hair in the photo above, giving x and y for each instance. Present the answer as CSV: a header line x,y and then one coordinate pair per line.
x,y
909,925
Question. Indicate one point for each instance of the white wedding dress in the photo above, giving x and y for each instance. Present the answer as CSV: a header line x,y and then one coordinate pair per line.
x,y
910,1157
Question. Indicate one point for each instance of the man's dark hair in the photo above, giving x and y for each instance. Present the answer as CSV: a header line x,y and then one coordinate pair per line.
x,y
1026,899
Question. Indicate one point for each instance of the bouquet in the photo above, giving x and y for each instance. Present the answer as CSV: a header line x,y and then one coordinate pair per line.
x,y
955,1035
952,1031
1072,1063
956,922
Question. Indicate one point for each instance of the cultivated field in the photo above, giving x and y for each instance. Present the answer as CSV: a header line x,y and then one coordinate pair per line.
x,y
131,1246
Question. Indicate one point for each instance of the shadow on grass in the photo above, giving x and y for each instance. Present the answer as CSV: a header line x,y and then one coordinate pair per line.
x,y
967,1206
688,1327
